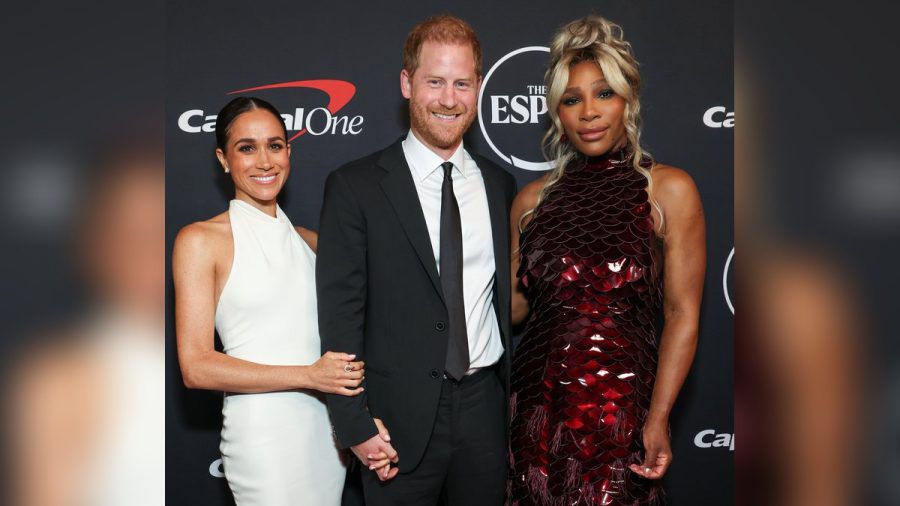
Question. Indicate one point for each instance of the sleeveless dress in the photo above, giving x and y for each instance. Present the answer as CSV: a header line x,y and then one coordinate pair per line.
x,y
583,374
277,448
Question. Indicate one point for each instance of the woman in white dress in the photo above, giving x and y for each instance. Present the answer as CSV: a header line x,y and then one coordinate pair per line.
x,y
249,274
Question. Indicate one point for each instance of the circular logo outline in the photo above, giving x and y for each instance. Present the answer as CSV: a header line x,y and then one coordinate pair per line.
x,y
215,468
512,160
725,281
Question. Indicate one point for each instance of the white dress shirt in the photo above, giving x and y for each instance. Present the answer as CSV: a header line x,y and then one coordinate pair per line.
x,y
485,344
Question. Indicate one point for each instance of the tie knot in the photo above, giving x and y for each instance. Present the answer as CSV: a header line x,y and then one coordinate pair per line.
x,y
448,168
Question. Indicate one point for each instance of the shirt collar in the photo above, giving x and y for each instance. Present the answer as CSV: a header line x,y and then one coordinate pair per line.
x,y
424,161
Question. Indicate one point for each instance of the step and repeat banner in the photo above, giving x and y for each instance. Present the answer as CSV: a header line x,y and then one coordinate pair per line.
x,y
332,69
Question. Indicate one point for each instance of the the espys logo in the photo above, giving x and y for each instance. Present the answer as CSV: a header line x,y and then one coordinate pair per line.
x,y
315,121
728,281
709,438
512,110
718,117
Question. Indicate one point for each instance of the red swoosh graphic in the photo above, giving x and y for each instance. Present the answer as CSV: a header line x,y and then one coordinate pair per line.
x,y
339,93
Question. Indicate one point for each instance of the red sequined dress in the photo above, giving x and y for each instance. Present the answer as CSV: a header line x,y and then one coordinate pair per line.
x,y
583,373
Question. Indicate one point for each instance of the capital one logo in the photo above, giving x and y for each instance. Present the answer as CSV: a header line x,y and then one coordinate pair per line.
x,y
315,121
512,107
718,117
709,438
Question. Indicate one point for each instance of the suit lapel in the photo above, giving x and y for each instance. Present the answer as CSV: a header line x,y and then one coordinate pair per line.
x,y
400,190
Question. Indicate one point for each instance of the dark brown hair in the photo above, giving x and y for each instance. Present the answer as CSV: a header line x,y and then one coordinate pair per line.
x,y
235,108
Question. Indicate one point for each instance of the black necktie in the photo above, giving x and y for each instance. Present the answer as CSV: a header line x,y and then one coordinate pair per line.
x,y
452,278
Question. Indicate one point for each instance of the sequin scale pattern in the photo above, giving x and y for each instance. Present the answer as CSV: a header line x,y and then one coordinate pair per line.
x,y
584,371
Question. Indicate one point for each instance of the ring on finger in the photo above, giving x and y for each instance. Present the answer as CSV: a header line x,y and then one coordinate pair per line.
x,y
348,367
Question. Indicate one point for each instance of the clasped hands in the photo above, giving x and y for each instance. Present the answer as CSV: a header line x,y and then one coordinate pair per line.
x,y
377,453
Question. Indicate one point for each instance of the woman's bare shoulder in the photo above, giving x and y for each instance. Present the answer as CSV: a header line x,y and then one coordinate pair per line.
x,y
671,182
202,235
527,197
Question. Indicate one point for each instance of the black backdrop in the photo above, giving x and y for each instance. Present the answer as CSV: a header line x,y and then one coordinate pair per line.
x,y
337,66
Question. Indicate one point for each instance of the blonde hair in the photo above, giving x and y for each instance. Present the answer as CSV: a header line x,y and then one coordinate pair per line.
x,y
601,41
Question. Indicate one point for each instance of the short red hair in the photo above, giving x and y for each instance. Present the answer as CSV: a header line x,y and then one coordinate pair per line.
x,y
444,29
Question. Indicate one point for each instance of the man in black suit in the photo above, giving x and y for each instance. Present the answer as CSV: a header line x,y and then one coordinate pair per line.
x,y
413,277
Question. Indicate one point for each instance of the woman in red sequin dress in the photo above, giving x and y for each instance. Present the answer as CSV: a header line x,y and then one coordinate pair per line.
x,y
593,378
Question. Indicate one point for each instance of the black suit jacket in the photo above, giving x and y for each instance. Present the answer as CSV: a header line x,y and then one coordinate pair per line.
x,y
380,296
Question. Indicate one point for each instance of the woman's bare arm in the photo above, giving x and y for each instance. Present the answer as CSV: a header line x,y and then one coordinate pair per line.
x,y
684,271
194,273
524,202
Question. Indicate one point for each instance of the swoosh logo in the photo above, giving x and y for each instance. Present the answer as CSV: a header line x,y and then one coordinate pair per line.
x,y
339,93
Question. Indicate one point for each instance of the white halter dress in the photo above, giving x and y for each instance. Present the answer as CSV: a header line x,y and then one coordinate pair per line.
x,y
277,448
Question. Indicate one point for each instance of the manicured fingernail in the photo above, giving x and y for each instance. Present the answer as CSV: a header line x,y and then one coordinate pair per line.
x,y
352,356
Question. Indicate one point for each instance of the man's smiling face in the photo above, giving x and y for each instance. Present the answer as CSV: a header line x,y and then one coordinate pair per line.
x,y
442,94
